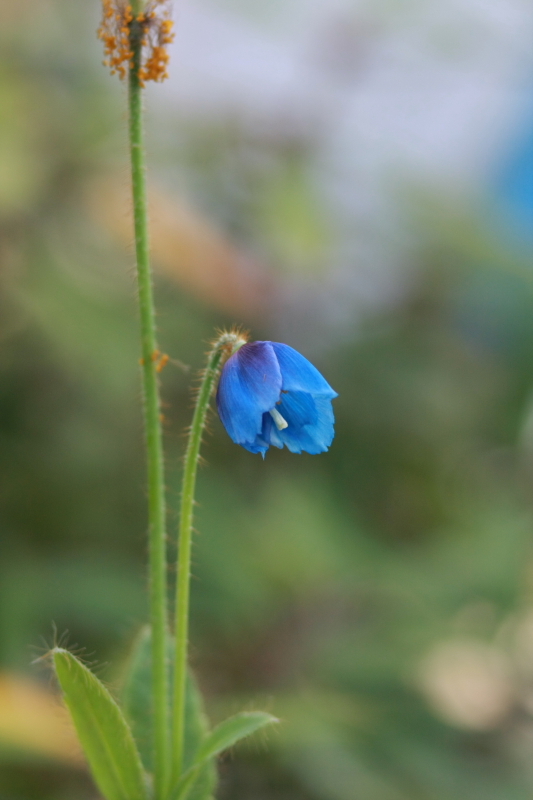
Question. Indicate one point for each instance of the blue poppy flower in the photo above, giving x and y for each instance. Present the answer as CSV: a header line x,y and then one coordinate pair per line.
x,y
269,394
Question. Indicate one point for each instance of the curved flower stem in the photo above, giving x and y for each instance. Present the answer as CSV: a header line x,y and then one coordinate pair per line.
x,y
152,417
224,346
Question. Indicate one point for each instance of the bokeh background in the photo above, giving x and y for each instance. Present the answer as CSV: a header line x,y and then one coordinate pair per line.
x,y
352,177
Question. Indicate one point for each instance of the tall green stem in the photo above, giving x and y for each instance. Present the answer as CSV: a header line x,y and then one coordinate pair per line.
x,y
226,344
152,420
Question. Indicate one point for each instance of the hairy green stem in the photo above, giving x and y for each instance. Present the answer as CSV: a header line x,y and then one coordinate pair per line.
x,y
152,421
225,345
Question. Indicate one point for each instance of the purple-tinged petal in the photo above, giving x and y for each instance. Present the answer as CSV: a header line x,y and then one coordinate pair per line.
x,y
250,385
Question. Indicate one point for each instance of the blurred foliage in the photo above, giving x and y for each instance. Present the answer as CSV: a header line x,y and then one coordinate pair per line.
x,y
378,598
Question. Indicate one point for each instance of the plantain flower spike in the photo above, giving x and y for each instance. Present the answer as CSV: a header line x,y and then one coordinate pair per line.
x,y
119,28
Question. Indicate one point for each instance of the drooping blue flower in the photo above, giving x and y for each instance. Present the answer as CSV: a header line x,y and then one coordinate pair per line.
x,y
269,394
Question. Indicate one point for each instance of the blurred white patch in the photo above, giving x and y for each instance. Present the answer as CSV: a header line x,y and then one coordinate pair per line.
x,y
468,683
433,88
523,645
387,99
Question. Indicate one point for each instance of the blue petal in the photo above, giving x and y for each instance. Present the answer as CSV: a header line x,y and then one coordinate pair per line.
x,y
259,446
310,421
250,385
298,374
297,408
270,433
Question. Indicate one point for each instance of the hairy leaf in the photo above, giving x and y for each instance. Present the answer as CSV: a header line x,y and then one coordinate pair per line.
x,y
137,702
221,738
102,730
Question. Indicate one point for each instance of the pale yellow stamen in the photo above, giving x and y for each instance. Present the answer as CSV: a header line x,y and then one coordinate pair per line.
x,y
278,419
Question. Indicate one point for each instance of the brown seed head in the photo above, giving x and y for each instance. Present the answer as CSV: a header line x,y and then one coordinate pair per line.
x,y
155,28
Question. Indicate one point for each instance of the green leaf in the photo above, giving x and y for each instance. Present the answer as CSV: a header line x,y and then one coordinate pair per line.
x,y
231,731
196,722
204,784
102,730
222,737
137,702
196,730
136,695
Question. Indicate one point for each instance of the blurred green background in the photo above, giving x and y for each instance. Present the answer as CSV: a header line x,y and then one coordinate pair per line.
x,y
378,598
